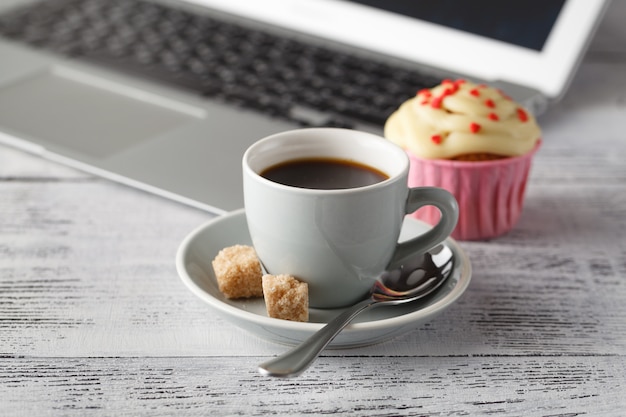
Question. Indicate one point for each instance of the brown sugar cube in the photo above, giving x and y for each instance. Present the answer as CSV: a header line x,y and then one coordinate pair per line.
x,y
238,272
286,298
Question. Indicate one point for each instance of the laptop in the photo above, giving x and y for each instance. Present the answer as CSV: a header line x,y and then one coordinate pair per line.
x,y
166,95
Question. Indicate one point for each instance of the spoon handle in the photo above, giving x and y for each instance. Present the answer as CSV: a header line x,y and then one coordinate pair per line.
x,y
297,360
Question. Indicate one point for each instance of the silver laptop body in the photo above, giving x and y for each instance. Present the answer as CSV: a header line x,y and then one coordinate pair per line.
x,y
185,146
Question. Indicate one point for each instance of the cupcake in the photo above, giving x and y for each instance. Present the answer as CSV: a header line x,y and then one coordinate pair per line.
x,y
474,141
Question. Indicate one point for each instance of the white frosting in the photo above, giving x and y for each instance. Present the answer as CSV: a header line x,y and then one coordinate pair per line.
x,y
459,118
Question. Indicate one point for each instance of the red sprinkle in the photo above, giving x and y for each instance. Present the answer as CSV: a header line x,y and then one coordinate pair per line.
x,y
435,103
522,115
489,103
494,117
474,127
436,139
424,91
475,92
459,81
424,102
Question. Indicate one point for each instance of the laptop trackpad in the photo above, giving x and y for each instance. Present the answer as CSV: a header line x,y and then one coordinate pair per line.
x,y
66,109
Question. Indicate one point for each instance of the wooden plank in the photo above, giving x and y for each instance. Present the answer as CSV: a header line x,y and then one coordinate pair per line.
x,y
353,386
539,289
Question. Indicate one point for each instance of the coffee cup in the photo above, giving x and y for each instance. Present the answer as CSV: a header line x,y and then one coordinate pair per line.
x,y
326,205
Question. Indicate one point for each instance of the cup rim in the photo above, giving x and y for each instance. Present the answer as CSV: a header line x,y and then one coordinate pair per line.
x,y
400,173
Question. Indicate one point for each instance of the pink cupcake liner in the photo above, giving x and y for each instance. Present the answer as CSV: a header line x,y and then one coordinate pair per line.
x,y
490,193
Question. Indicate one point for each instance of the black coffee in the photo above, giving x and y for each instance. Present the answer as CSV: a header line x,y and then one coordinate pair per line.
x,y
323,174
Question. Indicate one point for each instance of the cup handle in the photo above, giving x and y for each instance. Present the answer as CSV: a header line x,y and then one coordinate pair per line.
x,y
449,208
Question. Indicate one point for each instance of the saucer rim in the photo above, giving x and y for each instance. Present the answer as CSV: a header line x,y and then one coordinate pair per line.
x,y
378,324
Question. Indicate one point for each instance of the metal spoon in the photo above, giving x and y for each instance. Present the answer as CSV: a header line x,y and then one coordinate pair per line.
x,y
414,279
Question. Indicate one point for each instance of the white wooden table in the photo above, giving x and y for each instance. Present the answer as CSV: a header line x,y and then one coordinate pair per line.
x,y
94,319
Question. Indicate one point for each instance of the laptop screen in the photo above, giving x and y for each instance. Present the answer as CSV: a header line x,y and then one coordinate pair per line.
x,y
518,22
535,44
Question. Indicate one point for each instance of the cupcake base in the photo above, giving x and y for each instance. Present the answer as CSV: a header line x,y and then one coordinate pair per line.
x,y
490,193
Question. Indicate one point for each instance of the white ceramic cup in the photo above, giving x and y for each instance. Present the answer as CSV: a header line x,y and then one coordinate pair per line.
x,y
337,240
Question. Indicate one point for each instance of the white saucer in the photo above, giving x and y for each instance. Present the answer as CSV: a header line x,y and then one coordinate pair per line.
x,y
193,262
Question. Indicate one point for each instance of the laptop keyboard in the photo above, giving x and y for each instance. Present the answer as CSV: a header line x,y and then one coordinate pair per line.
x,y
285,78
